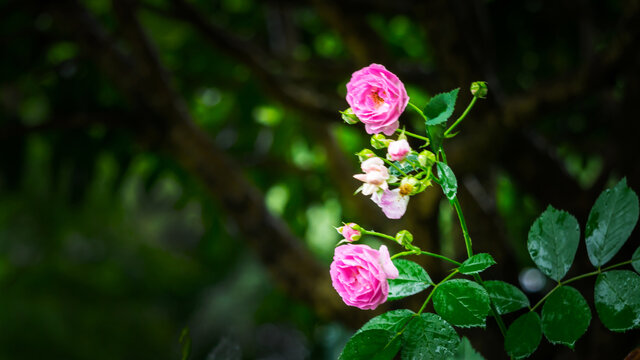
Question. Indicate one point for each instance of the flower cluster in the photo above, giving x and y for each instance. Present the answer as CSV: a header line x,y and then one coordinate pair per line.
x,y
377,98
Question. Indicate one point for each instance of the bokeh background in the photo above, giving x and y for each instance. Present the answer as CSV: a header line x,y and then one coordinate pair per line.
x,y
181,163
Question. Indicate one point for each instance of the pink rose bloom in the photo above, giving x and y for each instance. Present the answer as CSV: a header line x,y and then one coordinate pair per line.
x,y
398,150
350,234
375,175
393,203
359,274
377,97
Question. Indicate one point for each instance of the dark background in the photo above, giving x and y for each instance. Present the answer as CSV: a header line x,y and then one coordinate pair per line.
x,y
172,163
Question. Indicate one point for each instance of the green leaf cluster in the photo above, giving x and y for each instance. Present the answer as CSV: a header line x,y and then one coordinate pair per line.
x,y
552,243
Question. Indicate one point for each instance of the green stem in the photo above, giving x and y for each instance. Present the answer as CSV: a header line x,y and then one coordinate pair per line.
x,y
463,225
394,165
413,135
464,114
434,289
405,253
419,111
467,242
575,278
375,233
494,310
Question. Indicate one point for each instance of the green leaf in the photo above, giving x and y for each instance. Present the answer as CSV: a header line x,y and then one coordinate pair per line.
x,y
476,263
392,321
524,335
462,302
617,298
448,179
466,352
565,316
411,280
440,107
506,297
636,259
406,166
375,344
611,220
429,337
436,134
553,242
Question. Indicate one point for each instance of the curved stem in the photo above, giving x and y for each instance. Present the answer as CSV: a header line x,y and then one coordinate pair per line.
x,y
434,289
413,135
464,114
575,278
417,109
441,257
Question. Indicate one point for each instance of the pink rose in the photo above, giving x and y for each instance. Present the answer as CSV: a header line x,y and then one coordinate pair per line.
x,y
392,202
377,97
398,150
375,175
359,274
350,234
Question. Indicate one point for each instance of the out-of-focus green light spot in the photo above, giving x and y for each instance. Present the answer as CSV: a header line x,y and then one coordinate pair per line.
x,y
34,110
267,115
321,235
584,168
399,26
210,97
327,45
277,198
237,6
98,7
445,227
61,51
350,138
305,157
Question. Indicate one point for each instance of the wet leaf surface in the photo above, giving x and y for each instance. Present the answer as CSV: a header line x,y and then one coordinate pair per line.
x,y
553,242
565,316
617,298
462,303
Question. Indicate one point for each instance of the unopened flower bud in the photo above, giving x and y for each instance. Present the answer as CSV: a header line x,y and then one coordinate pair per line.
x,y
349,117
426,158
350,232
379,141
404,238
365,154
409,186
479,89
398,150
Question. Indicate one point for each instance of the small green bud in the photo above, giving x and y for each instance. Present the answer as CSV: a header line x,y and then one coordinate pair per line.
x,y
402,136
426,158
365,154
379,141
404,238
349,117
479,89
